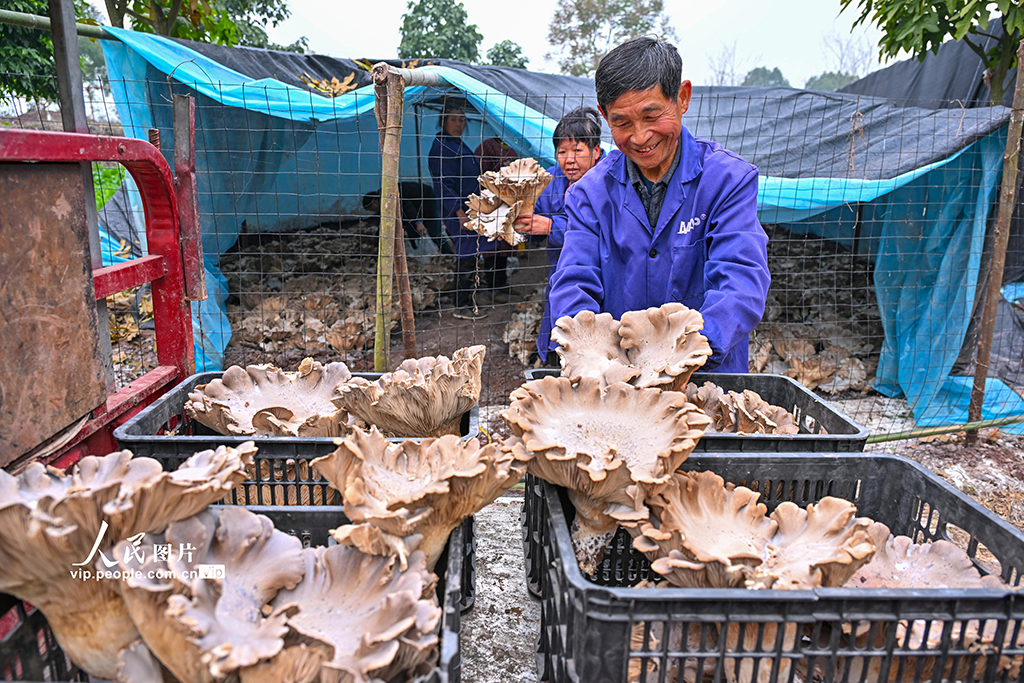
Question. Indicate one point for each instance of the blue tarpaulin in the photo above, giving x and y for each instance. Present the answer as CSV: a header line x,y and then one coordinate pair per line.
x,y
272,157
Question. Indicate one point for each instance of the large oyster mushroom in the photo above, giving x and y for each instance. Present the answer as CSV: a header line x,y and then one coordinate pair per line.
x,y
225,617
612,447
901,563
706,533
664,344
145,589
703,533
53,526
508,193
267,401
367,614
740,412
424,397
588,346
414,488
822,545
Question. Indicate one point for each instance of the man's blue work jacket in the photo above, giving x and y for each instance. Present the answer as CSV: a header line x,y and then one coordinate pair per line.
x,y
551,204
454,168
708,250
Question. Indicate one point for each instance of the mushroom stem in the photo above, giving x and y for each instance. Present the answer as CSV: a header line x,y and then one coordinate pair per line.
x,y
747,670
592,531
91,626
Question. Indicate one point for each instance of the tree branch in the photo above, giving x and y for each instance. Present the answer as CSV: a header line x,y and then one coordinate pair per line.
x,y
115,12
977,50
172,16
135,15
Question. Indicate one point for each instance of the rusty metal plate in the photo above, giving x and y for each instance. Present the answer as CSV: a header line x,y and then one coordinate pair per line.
x,y
51,370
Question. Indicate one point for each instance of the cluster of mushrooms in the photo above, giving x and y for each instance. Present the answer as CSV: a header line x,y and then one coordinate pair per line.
x,y
614,429
423,397
117,555
506,194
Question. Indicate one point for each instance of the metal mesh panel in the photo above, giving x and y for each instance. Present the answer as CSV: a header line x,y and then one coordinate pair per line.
x,y
282,211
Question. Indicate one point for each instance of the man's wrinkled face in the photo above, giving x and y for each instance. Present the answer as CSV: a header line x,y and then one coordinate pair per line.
x,y
575,158
645,125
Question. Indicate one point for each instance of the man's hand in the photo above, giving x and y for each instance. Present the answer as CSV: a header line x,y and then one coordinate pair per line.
x,y
463,218
532,224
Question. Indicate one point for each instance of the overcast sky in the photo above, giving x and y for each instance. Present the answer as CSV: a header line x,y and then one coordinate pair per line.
x,y
789,34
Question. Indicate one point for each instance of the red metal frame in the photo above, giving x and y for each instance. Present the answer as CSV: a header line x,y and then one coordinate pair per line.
x,y
163,267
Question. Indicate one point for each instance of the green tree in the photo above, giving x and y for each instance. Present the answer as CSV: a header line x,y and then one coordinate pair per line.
x,y
762,77
584,31
829,81
921,26
439,28
507,53
227,22
26,54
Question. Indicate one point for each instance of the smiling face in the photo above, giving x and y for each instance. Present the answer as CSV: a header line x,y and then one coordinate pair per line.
x,y
575,158
455,123
645,125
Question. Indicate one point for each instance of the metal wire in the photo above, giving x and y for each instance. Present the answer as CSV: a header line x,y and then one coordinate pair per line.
x,y
281,203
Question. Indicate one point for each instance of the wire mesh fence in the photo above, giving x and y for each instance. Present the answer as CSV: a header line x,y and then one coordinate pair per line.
x,y
877,218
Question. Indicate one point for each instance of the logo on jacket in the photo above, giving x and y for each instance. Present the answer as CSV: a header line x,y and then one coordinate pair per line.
x,y
685,227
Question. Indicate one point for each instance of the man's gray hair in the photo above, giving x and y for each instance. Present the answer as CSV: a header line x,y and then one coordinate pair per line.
x,y
638,64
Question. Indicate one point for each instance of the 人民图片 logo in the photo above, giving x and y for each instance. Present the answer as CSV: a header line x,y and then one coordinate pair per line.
x,y
686,227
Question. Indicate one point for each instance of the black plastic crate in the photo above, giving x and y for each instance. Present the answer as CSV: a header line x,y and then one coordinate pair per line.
x,y
29,651
586,625
812,415
162,429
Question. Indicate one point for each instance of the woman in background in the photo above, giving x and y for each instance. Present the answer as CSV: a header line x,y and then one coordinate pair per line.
x,y
577,141
454,168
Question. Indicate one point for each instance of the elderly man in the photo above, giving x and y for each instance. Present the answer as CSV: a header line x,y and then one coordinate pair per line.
x,y
666,217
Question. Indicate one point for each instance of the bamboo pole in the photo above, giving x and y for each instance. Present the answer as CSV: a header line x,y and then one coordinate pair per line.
x,y
1007,199
390,212
41,23
969,427
388,106
405,293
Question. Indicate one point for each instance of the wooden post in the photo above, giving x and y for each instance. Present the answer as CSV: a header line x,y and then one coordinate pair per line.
x,y
72,113
388,90
189,233
1007,199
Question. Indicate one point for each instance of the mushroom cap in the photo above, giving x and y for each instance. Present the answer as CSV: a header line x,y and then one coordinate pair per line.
x,y
422,398
522,180
704,532
264,400
370,615
741,413
48,521
900,563
225,617
421,488
618,445
588,346
664,344
498,223
823,545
